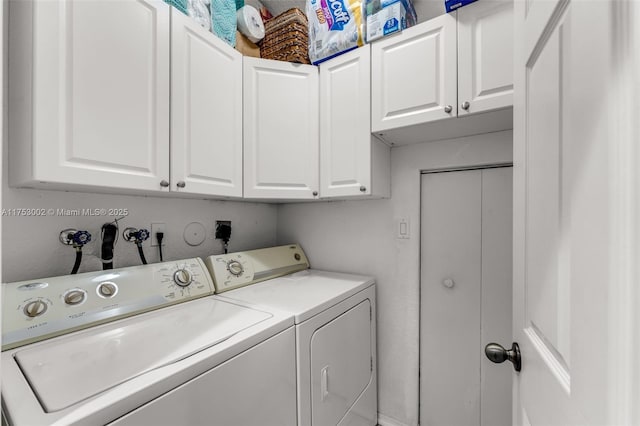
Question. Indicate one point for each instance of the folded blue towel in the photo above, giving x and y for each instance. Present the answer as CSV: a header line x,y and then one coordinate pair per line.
x,y
223,20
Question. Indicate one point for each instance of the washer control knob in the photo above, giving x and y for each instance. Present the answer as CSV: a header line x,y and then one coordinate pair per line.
x,y
182,277
74,297
35,308
107,290
235,268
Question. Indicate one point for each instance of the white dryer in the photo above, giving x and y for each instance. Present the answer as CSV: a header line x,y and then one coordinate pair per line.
x,y
120,347
335,328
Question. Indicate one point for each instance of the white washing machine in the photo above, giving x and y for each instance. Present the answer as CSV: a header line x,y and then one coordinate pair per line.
x,y
120,347
335,328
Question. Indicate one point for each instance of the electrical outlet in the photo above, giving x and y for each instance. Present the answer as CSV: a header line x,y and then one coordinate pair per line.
x,y
218,224
155,228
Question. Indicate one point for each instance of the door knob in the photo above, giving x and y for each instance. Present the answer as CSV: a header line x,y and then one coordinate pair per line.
x,y
448,109
496,353
465,105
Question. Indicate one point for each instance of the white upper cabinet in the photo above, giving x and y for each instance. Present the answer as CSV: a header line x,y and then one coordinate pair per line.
x,y
485,56
414,75
89,94
280,130
417,88
206,111
352,162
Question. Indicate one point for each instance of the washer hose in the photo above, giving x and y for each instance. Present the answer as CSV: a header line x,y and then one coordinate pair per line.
x,y
141,253
76,265
109,235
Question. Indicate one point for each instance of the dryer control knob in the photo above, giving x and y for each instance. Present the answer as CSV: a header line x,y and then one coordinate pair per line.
x,y
107,290
182,277
235,268
35,308
74,297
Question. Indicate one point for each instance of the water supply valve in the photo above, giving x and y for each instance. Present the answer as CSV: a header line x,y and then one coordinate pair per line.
x,y
72,237
77,239
135,235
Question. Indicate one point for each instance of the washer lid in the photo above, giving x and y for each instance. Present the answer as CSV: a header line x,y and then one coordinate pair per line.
x,y
78,366
304,294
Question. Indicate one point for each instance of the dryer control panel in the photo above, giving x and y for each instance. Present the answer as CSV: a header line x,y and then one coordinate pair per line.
x,y
39,309
243,268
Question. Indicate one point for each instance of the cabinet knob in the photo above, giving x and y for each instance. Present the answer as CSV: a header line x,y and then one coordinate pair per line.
x,y
315,193
465,105
448,109
164,183
363,189
181,184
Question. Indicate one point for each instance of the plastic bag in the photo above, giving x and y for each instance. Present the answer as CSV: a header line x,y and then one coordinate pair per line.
x,y
198,10
335,27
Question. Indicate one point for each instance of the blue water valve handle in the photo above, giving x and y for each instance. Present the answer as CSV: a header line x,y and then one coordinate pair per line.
x,y
81,238
142,235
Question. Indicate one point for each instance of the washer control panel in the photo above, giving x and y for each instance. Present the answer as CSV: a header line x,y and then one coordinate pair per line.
x,y
243,268
39,309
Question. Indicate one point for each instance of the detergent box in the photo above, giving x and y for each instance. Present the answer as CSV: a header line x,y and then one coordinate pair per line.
x,y
451,5
386,17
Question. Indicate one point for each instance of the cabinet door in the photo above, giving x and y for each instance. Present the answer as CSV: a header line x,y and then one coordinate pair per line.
x,y
345,125
280,129
98,72
413,75
485,56
206,111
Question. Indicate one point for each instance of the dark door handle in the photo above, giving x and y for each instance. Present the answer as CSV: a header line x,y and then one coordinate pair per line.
x,y
496,353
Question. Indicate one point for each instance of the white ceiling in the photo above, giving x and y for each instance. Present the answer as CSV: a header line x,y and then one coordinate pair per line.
x,y
425,9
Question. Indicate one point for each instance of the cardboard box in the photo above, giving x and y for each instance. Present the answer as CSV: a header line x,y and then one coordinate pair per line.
x,y
246,46
386,17
451,5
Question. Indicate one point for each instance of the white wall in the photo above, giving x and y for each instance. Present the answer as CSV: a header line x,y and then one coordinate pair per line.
x,y
359,237
31,248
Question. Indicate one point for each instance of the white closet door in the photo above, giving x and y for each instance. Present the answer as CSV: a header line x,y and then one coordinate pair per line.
x,y
206,111
465,297
496,296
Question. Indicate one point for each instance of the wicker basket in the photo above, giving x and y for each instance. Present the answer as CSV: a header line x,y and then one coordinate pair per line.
x,y
286,37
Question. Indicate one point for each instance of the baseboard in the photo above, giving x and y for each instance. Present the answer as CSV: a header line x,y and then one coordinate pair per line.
x,y
388,421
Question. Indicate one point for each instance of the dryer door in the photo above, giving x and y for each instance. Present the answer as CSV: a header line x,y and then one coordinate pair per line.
x,y
341,364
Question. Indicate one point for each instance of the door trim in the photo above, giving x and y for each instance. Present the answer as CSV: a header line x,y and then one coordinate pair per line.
x,y
462,169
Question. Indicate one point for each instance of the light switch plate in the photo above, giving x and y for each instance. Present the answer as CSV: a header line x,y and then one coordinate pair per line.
x,y
403,229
